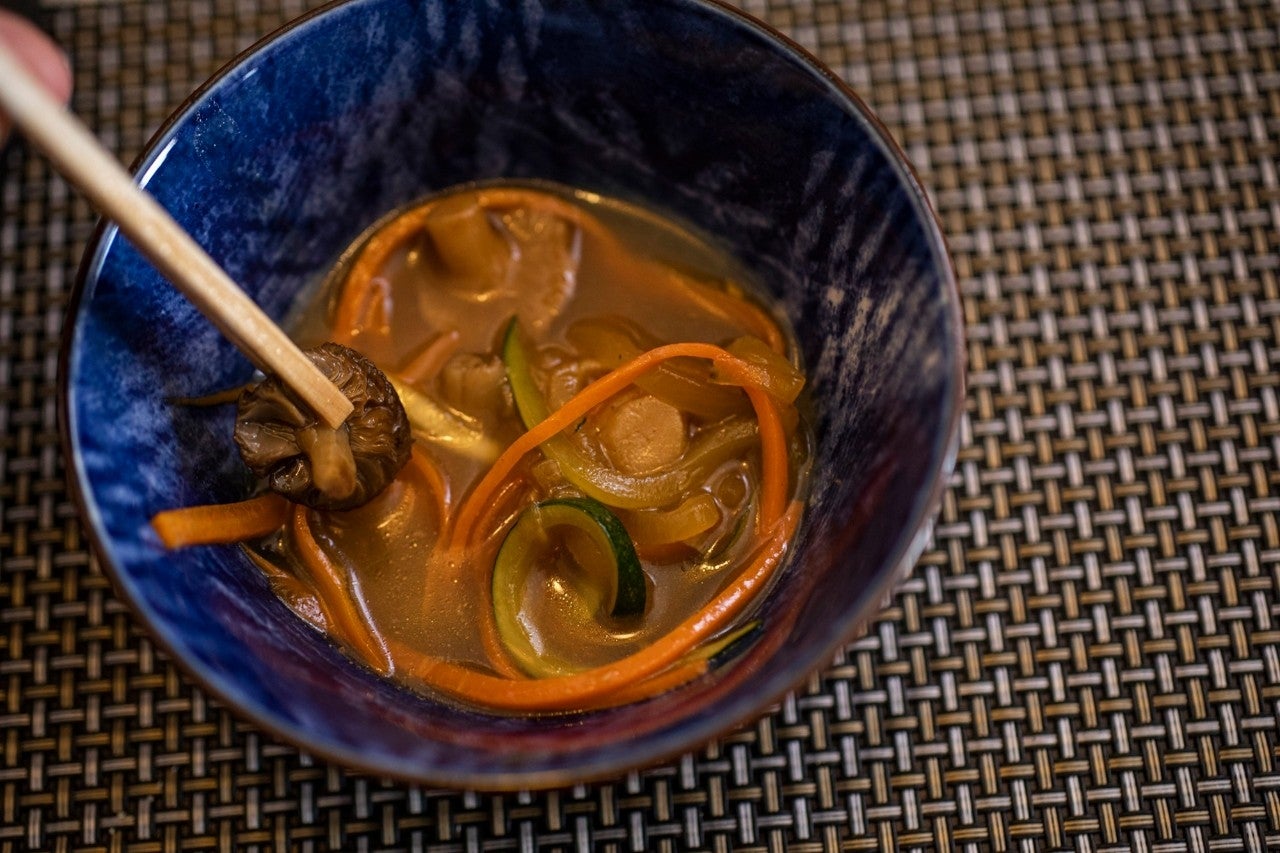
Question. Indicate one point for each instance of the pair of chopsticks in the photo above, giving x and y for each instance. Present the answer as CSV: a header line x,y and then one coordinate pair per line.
x,y
92,170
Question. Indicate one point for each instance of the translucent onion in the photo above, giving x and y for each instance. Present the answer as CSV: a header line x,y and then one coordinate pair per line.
x,y
688,387
695,516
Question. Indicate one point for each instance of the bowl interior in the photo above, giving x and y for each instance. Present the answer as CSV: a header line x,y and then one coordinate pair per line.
x,y
680,105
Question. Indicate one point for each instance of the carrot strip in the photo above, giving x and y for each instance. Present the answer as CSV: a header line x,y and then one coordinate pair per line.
x,y
669,679
730,366
384,241
424,667
342,607
429,360
286,584
427,468
495,651
774,475
572,692
362,308
472,512
691,666
217,524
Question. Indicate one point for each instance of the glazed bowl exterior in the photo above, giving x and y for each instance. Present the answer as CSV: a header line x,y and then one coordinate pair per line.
x,y
684,106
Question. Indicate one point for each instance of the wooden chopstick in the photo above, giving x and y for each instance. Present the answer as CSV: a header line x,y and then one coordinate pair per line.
x,y
89,167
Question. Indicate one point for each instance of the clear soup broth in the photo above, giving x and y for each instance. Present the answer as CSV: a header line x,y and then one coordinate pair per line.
x,y
621,554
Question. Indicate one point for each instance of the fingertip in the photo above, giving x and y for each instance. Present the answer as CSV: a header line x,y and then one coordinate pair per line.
x,y
38,52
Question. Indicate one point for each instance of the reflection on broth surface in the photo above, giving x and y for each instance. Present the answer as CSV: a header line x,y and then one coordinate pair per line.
x,y
607,464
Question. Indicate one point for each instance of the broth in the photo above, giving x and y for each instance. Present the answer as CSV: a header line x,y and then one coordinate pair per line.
x,y
483,569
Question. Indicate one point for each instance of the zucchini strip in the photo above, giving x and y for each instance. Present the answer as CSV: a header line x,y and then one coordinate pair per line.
x,y
574,692
603,560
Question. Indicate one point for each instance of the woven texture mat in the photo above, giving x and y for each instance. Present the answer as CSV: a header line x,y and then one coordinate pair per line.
x,y
1086,658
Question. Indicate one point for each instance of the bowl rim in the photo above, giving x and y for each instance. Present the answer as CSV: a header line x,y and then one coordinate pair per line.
x,y
698,732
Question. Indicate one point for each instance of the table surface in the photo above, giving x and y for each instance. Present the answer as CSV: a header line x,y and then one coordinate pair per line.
x,y
1086,657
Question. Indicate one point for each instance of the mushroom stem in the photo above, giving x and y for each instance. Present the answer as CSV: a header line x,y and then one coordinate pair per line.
x,y
316,465
333,466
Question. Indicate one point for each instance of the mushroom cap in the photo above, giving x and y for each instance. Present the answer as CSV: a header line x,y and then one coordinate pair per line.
x,y
271,419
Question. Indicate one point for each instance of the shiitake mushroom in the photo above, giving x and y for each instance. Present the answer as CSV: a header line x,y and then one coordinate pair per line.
x,y
285,444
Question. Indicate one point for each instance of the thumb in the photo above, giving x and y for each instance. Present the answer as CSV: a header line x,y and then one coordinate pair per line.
x,y
39,54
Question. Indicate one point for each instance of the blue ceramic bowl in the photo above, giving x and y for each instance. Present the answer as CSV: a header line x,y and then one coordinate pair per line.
x,y
685,106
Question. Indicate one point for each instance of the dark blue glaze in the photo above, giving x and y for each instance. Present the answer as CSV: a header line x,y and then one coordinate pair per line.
x,y
683,106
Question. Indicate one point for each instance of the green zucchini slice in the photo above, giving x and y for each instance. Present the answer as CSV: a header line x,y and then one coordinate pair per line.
x,y
584,546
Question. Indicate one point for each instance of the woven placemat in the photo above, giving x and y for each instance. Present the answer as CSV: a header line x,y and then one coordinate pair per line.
x,y
1086,658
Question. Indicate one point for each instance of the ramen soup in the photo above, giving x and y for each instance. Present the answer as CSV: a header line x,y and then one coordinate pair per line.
x,y
607,457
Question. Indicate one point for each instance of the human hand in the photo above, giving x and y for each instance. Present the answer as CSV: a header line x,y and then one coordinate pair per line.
x,y
39,54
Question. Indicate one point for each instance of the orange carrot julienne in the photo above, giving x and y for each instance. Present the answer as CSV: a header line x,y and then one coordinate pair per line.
x,y
668,679
472,512
691,666
445,673
494,650
571,692
386,240
362,305
430,359
336,601
742,312
774,474
290,587
426,467
218,524
729,365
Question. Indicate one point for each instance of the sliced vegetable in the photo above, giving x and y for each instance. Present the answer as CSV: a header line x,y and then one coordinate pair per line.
x,y
685,384
775,477
219,524
691,518
441,675
530,404
778,376
588,688
341,600
465,240
435,423
578,545
710,655
640,434
428,359
727,300
602,481
363,310
472,383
